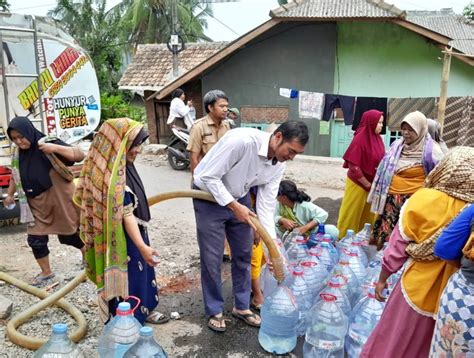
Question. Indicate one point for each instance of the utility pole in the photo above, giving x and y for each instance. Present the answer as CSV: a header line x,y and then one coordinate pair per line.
x,y
174,36
443,95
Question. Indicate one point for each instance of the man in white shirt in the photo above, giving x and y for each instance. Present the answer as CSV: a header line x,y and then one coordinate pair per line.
x,y
242,159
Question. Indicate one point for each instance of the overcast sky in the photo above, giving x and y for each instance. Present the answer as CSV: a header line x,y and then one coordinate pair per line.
x,y
240,17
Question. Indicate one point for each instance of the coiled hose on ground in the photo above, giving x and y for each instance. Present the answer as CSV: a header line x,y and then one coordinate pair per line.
x,y
57,297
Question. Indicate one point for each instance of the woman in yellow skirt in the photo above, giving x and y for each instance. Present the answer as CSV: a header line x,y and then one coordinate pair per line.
x,y
361,158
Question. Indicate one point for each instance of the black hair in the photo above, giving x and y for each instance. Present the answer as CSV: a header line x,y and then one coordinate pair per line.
x,y
293,130
211,97
177,93
289,189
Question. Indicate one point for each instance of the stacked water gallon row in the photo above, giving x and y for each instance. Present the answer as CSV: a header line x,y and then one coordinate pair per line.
x,y
123,337
328,296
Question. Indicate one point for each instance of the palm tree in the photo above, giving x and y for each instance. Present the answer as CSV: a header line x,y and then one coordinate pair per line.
x,y
4,6
98,32
149,21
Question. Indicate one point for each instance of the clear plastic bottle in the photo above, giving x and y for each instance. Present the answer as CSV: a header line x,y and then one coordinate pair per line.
x,y
291,238
364,318
146,346
315,275
345,242
337,287
332,249
353,286
59,345
303,297
315,237
327,327
364,234
355,263
120,333
277,333
357,245
297,252
324,253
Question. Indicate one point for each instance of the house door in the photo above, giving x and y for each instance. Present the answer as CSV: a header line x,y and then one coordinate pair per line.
x,y
162,111
341,137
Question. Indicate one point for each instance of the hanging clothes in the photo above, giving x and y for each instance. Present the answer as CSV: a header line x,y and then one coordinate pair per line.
x,y
346,103
311,105
288,93
399,108
365,104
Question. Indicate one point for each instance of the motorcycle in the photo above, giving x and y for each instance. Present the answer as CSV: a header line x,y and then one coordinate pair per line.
x,y
178,156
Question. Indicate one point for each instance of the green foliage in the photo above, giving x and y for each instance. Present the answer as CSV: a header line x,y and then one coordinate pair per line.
x,y
99,33
115,106
4,6
468,11
149,21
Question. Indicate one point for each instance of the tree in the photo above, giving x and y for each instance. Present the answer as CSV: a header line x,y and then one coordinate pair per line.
x,y
4,6
149,21
468,11
98,32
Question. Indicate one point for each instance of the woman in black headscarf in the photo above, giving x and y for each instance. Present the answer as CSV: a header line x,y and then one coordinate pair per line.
x,y
45,189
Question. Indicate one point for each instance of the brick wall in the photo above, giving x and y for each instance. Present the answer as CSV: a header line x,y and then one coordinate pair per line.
x,y
262,114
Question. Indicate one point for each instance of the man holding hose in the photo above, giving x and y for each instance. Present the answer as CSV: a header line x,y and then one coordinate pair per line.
x,y
242,159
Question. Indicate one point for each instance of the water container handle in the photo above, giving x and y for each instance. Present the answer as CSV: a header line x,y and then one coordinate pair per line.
x,y
137,305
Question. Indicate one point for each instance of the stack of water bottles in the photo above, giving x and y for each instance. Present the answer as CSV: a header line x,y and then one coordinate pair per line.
x,y
328,295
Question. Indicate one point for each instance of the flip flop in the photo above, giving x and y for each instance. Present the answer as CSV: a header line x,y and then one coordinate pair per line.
x,y
156,317
245,317
255,306
218,319
38,280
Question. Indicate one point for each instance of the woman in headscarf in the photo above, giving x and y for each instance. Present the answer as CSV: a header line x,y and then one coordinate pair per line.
x,y
113,222
361,158
454,331
401,173
44,187
406,326
434,129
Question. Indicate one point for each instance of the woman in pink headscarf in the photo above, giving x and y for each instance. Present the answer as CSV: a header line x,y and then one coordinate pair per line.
x,y
361,158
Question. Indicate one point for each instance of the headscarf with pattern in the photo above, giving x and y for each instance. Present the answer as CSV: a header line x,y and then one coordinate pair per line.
x,y
454,174
99,195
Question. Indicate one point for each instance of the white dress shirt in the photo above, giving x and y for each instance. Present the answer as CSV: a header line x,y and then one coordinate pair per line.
x,y
238,162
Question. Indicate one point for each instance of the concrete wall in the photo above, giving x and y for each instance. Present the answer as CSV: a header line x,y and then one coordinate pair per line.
x,y
297,55
386,60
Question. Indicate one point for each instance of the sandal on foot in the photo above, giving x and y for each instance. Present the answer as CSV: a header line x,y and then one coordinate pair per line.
x,y
156,317
38,280
246,318
256,306
215,328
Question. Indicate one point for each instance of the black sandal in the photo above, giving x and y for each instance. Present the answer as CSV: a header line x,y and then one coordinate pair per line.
x,y
219,328
246,318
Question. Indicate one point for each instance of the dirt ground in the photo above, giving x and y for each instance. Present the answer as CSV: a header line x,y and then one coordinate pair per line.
x,y
172,232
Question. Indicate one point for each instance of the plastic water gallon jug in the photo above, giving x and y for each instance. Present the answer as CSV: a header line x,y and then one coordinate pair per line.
x,y
120,333
355,263
59,345
353,286
315,275
315,237
364,318
297,252
327,327
345,242
336,288
279,314
146,346
303,297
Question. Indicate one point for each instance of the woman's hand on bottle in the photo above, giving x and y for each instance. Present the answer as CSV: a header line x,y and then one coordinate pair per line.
x,y
150,255
9,200
379,288
287,224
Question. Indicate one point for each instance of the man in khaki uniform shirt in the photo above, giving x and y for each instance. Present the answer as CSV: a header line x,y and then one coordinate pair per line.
x,y
208,130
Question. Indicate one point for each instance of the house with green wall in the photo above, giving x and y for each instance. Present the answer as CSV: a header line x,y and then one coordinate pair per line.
x,y
349,47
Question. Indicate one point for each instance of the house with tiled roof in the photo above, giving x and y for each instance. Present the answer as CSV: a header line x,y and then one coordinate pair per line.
x,y
357,48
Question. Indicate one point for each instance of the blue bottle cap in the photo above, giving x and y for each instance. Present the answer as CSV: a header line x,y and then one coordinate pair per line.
x,y
146,331
59,328
124,306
